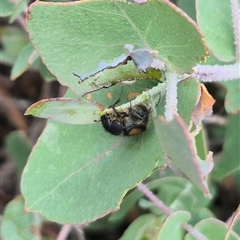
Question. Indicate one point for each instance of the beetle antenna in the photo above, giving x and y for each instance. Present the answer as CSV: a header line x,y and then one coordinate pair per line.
x,y
118,100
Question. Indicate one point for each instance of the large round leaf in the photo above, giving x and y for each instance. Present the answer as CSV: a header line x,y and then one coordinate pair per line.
x,y
79,173
76,37
85,168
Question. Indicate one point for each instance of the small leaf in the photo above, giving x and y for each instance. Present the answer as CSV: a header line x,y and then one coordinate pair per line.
x,y
66,110
188,7
232,103
20,6
44,71
22,62
13,40
19,149
188,93
184,196
223,166
172,228
18,224
179,146
201,143
7,8
144,227
213,229
218,32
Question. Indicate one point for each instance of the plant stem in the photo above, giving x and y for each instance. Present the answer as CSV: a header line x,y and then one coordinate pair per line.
x,y
154,199
207,73
139,99
64,232
197,235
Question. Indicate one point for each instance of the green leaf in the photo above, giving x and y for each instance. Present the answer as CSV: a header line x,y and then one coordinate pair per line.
x,y
85,169
135,195
13,40
6,8
66,110
144,227
45,73
188,95
76,40
73,165
19,149
22,63
17,224
232,101
20,7
218,32
179,146
183,195
229,161
213,229
74,111
172,228
201,143
188,6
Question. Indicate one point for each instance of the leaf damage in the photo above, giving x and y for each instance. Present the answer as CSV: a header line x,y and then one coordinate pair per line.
x,y
146,62
204,106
